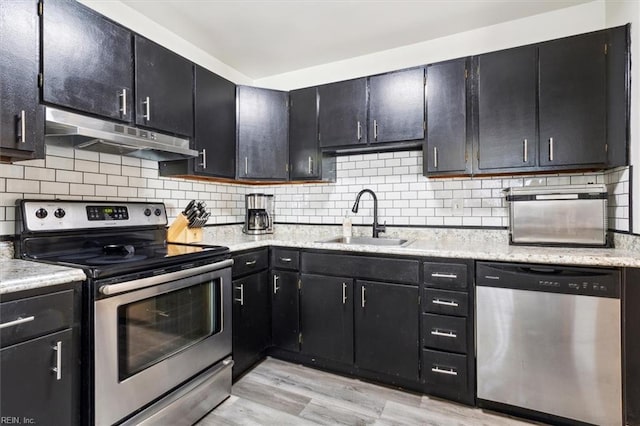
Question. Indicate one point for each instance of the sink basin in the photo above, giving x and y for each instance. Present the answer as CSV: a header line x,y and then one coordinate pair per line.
x,y
398,242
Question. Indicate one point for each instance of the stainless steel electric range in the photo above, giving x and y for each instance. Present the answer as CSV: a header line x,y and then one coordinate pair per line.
x,y
156,316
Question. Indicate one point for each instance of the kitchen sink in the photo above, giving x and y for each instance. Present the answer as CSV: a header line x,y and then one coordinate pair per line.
x,y
398,242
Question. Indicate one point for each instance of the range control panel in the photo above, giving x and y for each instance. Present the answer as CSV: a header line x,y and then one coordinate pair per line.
x,y
599,282
56,215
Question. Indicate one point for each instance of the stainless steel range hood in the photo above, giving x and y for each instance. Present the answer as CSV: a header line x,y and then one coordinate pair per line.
x,y
82,132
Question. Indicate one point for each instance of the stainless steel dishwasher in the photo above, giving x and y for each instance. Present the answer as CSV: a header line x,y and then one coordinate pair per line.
x,y
549,341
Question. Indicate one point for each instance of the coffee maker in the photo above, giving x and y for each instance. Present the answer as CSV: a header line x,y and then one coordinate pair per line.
x,y
258,214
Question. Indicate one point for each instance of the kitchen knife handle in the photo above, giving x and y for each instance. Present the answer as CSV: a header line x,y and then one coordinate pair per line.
x,y
123,102
204,158
147,104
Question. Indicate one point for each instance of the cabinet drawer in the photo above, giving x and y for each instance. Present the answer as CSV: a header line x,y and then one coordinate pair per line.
x,y
35,316
444,371
284,258
444,332
247,263
445,275
445,302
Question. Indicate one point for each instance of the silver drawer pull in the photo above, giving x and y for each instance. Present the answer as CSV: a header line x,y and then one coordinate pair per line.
x,y
344,293
241,300
491,277
440,275
23,127
147,108
18,321
444,333
123,99
250,262
58,368
285,259
276,287
445,302
204,158
449,371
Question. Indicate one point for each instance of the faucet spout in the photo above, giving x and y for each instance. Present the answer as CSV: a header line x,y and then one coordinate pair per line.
x,y
376,227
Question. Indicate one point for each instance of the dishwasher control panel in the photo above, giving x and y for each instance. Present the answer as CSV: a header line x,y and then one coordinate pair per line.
x,y
599,282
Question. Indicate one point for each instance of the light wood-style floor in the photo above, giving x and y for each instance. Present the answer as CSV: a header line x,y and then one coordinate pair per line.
x,y
280,393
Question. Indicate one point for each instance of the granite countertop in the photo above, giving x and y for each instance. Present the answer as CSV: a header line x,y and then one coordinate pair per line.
x,y
452,248
18,275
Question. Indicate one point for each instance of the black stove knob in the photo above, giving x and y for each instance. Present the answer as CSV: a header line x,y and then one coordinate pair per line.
x,y
41,213
157,212
59,213
147,212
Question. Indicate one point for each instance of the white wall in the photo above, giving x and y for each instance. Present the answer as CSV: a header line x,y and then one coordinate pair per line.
x,y
547,26
134,20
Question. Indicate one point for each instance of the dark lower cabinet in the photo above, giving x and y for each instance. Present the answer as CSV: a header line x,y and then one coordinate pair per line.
x,y
386,329
285,327
21,117
251,320
87,61
326,317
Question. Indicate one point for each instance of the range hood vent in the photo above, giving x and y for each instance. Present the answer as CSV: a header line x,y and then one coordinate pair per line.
x,y
82,132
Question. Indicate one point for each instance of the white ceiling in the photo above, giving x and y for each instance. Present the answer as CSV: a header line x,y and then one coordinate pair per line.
x,y
261,38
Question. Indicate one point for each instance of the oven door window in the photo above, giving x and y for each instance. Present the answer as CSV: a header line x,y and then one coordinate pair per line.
x,y
156,328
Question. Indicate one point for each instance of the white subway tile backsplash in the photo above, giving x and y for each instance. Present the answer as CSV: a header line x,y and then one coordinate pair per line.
x,y
57,188
39,173
21,185
68,176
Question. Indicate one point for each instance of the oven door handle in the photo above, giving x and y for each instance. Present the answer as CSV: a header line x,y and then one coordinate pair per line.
x,y
111,289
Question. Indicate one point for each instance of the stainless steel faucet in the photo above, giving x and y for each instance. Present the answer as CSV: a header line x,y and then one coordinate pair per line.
x,y
376,228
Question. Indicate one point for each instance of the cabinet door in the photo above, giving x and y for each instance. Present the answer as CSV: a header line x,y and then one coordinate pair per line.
x,y
343,113
251,320
507,113
87,61
164,88
396,106
386,328
573,101
303,134
285,329
446,118
618,83
30,389
263,127
215,124
21,118
326,317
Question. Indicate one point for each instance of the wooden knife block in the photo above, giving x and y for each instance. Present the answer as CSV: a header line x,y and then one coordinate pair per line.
x,y
179,232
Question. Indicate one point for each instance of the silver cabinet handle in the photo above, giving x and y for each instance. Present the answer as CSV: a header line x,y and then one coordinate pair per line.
x,y
344,293
204,158
359,131
276,287
285,259
250,262
525,154
435,157
550,149
310,166
246,165
445,302
123,102
23,127
18,321
58,368
449,371
440,275
147,107
362,294
241,300
444,333
375,130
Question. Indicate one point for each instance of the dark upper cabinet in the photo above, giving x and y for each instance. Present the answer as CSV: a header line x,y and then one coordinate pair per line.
x,y
21,118
262,134
386,328
572,76
618,91
215,124
326,317
87,61
285,326
304,152
446,145
507,109
164,88
343,113
396,106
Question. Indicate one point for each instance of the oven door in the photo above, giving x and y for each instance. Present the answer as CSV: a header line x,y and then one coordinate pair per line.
x,y
150,340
